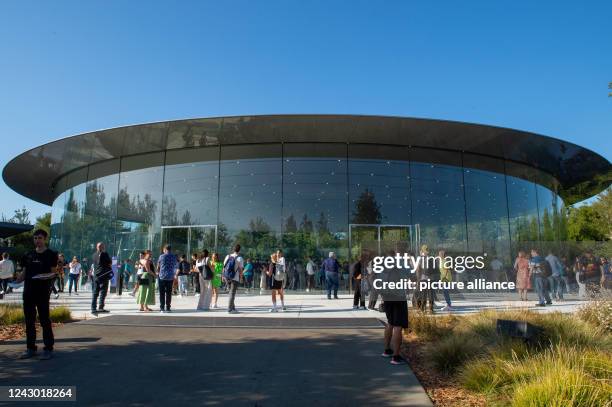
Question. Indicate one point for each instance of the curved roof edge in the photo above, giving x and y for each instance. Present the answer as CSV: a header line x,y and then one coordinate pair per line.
x,y
581,172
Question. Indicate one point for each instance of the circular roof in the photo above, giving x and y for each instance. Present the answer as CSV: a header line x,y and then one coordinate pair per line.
x,y
581,173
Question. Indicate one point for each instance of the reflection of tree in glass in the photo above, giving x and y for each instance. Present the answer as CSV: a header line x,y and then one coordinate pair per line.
x,y
367,210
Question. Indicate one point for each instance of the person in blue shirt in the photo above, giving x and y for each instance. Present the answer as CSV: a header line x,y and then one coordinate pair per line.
x,y
167,265
331,268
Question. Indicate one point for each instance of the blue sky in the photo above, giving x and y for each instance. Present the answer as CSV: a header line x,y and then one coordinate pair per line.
x,y
70,66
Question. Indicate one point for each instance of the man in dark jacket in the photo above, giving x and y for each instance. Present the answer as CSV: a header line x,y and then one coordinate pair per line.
x,y
331,267
103,272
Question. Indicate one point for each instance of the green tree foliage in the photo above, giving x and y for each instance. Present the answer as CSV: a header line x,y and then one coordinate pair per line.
x,y
585,223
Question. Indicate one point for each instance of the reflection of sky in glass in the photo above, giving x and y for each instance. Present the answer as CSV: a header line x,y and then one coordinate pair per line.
x,y
388,180
250,188
315,186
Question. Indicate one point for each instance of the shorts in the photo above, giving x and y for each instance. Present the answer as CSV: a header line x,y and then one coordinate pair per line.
x,y
276,284
397,313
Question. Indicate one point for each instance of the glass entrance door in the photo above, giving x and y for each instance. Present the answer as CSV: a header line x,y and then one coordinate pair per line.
x,y
190,239
377,240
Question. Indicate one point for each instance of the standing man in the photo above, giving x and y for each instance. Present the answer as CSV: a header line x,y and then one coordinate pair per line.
x,y
396,310
101,276
331,267
537,269
39,265
357,276
310,274
555,281
232,269
7,273
167,264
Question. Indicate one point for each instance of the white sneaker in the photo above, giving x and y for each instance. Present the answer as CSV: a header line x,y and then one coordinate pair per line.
x,y
447,308
56,296
273,309
215,306
308,290
75,293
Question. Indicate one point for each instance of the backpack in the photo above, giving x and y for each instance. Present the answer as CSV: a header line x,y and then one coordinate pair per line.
x,y
229,270
279,273
546,269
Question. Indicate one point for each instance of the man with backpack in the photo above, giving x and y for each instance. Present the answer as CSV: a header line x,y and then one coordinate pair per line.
x,y
232,270
540,269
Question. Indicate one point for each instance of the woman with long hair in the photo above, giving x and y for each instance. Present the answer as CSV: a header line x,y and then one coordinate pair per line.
x,y
523,276
73,277
202,264
217,268
146,283
276,279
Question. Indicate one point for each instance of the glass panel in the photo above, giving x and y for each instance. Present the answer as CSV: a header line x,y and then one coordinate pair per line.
x,y
396,239
191,185
522,208
178,238
364,239
250,199
486,208
139,202
379,185
437,199
57,222
315,207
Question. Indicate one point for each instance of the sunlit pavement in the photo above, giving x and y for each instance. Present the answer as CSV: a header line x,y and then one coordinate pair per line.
x,y
298,304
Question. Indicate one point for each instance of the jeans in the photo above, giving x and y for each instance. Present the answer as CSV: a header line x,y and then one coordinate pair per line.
x,y
73,279
36,297
446,297
182,284
4,284
541,285
233,286
331,279
559,285
100,288
359,297
165,294
248,280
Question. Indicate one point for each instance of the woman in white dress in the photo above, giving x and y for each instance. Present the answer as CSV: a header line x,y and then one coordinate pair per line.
x,y
205,285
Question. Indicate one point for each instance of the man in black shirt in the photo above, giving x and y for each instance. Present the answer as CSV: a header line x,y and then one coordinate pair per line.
x,y
39,265
103,272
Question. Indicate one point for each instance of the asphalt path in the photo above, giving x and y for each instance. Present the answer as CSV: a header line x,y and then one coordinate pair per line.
x,y
123,363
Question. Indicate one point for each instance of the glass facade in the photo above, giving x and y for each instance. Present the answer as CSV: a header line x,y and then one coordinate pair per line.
x,y
308,199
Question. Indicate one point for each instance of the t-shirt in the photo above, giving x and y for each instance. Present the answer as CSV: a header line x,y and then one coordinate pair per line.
x,y
39,263
103,265
238,264
248,269
168,263
184,268
75,268
7,269
310,268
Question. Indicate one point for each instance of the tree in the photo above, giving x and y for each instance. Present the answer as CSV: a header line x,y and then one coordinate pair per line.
x,y
585,223
22,216
367,210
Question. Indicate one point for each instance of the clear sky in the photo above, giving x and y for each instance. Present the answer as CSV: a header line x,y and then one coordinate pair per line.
x,y
68,67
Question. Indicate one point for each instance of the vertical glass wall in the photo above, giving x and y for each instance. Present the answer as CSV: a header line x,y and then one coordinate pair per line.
x,y
522,207
139,205
250,199
438,198
100,206
486,208
308,199
315,201
380,215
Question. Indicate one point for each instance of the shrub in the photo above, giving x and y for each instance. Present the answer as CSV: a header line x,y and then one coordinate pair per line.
x,y
453,350
598,313
13,314
430,327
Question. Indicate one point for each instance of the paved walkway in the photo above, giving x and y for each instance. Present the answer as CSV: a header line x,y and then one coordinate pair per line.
x,y
299,305
277,365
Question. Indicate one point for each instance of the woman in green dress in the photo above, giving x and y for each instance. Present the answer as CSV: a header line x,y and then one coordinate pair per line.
x,y
217,267
146,286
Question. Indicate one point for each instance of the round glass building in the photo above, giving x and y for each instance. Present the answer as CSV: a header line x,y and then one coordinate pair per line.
x,y
308,184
